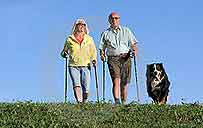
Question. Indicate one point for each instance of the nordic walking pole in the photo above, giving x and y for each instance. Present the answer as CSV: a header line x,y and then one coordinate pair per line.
x,y
95,71
138,99
104,79
66,78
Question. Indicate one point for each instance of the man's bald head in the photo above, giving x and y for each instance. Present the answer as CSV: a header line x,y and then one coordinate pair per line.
x,y
114,14
114,20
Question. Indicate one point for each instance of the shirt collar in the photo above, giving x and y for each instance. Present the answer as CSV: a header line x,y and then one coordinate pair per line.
x,y
119,28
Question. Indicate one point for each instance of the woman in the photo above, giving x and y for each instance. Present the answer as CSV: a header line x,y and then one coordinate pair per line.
x,y
80,48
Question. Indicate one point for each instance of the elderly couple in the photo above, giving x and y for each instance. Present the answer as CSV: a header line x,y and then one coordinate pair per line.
x,y
116,40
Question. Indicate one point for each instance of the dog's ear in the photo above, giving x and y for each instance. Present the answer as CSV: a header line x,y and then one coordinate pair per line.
x,y
162,67
150,66
148,75
147,70
163,70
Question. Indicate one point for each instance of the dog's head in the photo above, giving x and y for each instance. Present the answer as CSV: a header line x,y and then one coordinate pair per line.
x,y
155,74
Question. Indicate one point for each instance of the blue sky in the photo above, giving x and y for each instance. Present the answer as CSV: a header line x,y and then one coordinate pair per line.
x,y
32,35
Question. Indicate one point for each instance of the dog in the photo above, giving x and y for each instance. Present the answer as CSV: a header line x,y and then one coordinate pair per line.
x,y
157,83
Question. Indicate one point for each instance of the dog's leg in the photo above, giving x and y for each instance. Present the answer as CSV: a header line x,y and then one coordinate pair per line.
x,y
163,100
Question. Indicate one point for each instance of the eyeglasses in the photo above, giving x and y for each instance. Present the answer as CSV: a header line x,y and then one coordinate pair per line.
x,y
116,18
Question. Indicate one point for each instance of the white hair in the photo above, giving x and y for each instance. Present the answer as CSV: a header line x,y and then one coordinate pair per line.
x,y
80,21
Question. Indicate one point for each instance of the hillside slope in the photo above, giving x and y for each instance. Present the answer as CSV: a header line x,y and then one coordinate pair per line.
x,y
43,115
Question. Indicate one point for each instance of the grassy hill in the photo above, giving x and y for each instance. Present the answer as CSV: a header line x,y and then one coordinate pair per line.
x,y
59,115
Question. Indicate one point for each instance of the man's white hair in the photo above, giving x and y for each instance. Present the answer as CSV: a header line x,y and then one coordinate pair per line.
x,y
80,21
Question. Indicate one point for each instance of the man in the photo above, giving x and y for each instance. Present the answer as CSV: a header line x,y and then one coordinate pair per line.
x,y
118,41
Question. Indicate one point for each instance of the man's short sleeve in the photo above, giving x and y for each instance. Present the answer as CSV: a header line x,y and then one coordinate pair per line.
x,y
132,37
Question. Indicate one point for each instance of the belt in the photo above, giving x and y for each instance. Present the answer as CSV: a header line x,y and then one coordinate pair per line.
x,y
122,55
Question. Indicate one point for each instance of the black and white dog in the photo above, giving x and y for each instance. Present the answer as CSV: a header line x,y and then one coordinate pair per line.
x,y
157,83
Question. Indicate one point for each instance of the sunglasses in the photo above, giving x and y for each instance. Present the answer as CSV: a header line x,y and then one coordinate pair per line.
x,y
116,18
81,24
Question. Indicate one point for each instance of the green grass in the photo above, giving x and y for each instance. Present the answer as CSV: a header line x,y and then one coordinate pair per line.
x,y
59,115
